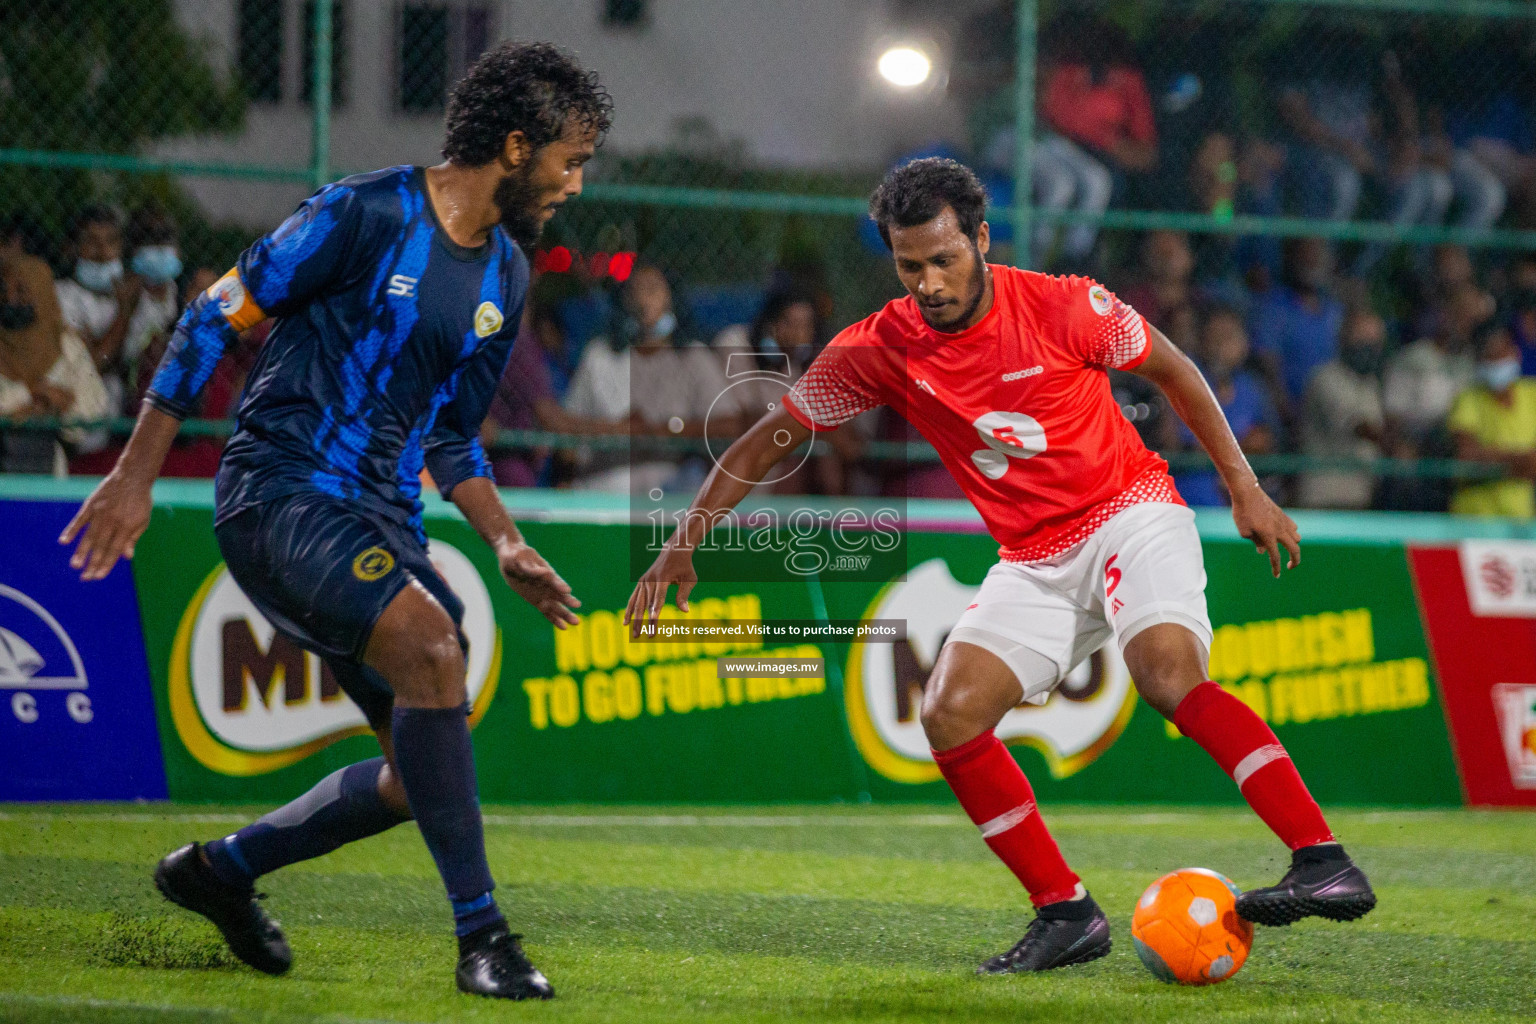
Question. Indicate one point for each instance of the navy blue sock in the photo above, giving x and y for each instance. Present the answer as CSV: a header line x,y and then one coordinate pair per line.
x,y
437,766
343,807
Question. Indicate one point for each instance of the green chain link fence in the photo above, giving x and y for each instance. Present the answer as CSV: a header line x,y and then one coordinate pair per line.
x,y
90,90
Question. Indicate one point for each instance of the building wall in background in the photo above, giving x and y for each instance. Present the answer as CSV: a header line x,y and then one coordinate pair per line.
x,y
792,80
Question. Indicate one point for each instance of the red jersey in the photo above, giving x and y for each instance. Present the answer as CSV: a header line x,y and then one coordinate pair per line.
x,y
1018,406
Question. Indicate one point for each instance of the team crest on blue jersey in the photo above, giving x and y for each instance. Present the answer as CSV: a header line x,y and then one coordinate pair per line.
x,y
487,320
372,564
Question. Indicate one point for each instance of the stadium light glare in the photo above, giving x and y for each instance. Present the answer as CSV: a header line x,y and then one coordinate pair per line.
x,y
905,66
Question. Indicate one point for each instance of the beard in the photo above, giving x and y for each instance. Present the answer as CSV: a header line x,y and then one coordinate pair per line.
x,y
518,203
977,288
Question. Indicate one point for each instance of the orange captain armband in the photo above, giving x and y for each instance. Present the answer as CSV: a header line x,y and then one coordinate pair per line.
x,y
235,302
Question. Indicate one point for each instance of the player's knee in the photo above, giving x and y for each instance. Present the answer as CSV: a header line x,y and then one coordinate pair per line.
x,y
945,715
433,674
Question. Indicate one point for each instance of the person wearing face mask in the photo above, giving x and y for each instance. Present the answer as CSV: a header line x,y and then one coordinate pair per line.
x,y
784,336
645,375
1424,379
1343,415
45,370
98,299
1494,421
156,261
104,304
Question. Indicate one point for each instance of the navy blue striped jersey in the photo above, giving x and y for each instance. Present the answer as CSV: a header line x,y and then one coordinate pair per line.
x,y
388,345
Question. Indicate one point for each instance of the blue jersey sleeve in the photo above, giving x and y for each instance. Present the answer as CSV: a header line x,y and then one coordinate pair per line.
x,y
452,450
274,277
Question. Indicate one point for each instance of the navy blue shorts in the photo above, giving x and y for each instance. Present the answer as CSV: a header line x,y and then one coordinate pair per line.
x,y
322,574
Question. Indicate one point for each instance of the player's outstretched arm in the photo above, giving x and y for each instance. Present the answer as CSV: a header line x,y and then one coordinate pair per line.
x,y
742,467
116,514
524,569
1257,517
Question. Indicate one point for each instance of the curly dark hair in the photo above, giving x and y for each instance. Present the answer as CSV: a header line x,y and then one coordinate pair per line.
x,y
917,192
534,88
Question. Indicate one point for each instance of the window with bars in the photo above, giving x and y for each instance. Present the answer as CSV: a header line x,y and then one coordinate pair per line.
x,y
340,39
259,49
435,44
626,13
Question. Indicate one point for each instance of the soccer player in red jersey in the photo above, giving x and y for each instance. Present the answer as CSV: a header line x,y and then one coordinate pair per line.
x,y
1004,372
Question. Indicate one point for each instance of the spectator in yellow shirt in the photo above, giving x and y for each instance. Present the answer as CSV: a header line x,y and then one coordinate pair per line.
x,y
1494,421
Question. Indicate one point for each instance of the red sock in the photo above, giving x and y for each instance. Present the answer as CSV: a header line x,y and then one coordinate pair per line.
x,y
995,793
1248,751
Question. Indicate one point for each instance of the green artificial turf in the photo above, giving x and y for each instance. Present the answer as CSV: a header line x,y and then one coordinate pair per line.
x,y
682,914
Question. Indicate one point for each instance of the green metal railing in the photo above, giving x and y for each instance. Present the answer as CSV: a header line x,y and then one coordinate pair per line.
x,y
906,452
1024,213
660,198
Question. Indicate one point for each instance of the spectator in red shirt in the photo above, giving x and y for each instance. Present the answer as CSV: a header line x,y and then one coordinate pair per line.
x,y
1097,123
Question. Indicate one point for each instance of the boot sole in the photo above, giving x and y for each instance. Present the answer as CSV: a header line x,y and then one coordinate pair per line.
x,y
520,997
1279,910
163,885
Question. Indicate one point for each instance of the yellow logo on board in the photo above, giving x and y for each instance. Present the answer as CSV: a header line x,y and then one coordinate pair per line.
x,y
487,320
372,564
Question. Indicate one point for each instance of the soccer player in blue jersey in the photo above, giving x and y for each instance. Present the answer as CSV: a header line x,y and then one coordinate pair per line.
x,y
397,296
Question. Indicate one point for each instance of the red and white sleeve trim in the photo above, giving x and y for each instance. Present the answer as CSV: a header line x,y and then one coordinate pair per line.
x,y
824,398
1120,340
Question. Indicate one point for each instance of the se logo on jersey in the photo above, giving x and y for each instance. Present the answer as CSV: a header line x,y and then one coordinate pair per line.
x,y
487,320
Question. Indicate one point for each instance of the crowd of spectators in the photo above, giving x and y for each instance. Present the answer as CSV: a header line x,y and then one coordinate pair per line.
x,y
84,346
1312,362
1311,365
1337,351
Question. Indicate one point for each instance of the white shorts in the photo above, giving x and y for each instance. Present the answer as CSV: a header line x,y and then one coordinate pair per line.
x,y
1141,568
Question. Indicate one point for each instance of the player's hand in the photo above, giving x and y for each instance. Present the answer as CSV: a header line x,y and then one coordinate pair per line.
x,y
536,582
110,522
673,565
1260,520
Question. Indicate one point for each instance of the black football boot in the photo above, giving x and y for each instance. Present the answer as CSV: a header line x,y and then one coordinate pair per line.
x,y
187,881
1061,935
491,963
1322,882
